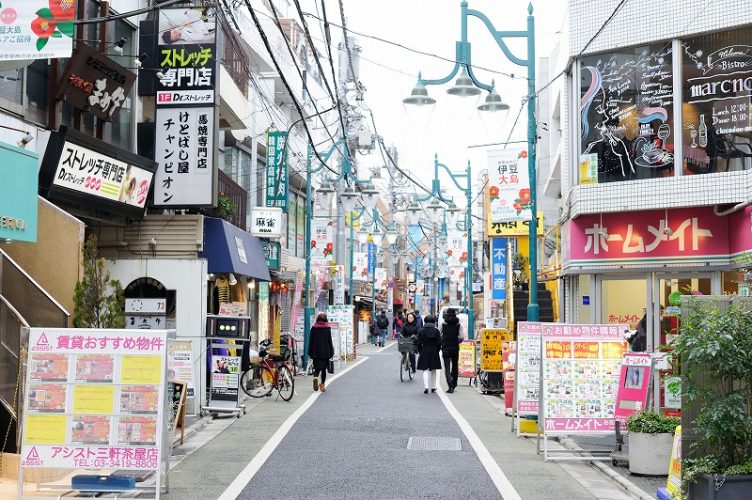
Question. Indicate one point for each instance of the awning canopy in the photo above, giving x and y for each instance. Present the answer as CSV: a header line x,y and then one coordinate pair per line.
x,y
229,249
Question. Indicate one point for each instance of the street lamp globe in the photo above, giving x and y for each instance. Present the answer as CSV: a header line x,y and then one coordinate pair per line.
x,y
419,96
370,196
434,209
463,86
493,103
377,237
414,211
349,198
452,214
325,194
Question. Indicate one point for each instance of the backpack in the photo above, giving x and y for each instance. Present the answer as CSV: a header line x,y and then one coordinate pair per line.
x,y
400,323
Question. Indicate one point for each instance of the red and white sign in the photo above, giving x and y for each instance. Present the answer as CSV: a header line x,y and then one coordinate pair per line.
x,y
634,382
508,188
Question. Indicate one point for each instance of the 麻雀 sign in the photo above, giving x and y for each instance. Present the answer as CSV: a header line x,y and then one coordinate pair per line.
x,y
266,222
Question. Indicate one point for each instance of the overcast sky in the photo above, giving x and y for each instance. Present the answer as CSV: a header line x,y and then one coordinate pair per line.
x,y
433,26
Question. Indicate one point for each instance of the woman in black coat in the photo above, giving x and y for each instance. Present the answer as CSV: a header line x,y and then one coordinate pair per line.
x,y
320,349
410,331
429,342
450,347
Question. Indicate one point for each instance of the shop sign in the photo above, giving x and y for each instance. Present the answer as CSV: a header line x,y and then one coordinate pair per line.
x,y
672,397
589,169
266,222
95,83
371,258
82,169
186,57
634,383
339,286
94,399
498,268
18,194
36,29
276,169
185,153
271,250
225,378
508,189
466,360
263,291
492,345
514,228
636,236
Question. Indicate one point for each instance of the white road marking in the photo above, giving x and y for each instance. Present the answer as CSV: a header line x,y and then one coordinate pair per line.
x,y
250,470
386,347
497,476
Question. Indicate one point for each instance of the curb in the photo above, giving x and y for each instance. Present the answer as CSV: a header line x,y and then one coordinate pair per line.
x,y
631,489
191,430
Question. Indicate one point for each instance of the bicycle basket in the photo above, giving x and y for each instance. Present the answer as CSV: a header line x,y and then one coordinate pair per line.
x,y
405,345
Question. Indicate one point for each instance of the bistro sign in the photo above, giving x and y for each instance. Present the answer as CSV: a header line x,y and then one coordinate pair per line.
x,y
95,83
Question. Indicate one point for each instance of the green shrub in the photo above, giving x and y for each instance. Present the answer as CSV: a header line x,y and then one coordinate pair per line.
x,y
649,422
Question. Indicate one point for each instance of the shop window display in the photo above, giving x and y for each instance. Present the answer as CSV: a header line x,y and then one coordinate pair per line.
x,y
626,107
716,115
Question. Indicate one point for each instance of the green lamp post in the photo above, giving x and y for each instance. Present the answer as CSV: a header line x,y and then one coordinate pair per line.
x,y
468,85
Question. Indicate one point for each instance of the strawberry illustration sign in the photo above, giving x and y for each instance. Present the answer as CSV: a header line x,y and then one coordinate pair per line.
x,y
36,29
508,188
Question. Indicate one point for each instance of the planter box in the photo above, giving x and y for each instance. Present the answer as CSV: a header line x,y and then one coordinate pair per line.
x,y
650,454
733,488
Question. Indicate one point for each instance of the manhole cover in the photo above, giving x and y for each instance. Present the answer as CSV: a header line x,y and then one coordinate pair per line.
x,y
429,443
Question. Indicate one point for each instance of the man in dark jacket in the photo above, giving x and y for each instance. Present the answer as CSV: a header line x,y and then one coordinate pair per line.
x,y
429,343
450,347
382,322
321,350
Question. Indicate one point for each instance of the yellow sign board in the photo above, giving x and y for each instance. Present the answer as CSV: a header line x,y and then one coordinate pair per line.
x,y
516,228
45,429
93,399
141,370
492,342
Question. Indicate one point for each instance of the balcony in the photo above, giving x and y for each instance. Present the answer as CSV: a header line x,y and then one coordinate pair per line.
x,y
237,197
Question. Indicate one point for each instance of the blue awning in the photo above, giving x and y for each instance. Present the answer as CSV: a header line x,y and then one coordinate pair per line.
x,y
229,249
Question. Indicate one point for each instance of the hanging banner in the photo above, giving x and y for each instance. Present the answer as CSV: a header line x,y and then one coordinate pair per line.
x,y
371,258
276,170
322,240
456,254
95,399
360,266
380,279
508,188
498,268
339,285
36,29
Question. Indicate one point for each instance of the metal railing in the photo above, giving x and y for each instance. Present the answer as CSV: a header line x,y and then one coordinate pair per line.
x,y
11,325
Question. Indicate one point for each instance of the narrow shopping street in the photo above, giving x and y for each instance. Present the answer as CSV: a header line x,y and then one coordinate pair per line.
x,y
354,441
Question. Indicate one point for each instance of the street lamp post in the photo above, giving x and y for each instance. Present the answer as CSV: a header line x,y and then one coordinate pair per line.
x,y
467,85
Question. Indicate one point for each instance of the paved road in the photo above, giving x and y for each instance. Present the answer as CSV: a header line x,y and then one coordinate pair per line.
x,y
353,443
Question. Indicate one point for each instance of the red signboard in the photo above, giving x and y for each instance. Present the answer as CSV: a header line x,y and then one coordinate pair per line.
x,y
634,382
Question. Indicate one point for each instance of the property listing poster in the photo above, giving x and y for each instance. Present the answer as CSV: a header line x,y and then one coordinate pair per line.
x,y
95,399
527,367
343,316
581,365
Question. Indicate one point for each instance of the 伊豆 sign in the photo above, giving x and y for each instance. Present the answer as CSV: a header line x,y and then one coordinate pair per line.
x,y
508,191
36,29
18,194
266,222
276,170
79,168
94,83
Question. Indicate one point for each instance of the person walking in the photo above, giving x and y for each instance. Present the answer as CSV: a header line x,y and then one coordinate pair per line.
x,y
410,331
374,331
451,336
418,318
321,350
429,342
382,322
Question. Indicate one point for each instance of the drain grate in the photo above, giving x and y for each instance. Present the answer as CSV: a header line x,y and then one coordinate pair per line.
x,y
430,443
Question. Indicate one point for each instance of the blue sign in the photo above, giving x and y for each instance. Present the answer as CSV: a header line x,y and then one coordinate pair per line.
x,y
371,258
586,300
19,170
499,268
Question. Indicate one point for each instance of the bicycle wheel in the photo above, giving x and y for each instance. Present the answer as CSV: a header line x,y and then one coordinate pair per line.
x,y
402,368
257,382
285,383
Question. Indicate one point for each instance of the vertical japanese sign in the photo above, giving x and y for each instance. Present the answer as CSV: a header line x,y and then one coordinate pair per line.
x,y
186,112
493,343
371,258
508,188
322,240
36,29
527,368
360,266
276,170
339,286
498,268
343,316
581,366
94,399
380,279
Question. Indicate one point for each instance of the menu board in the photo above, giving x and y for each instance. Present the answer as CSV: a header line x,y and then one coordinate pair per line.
x,y
493,341
580,373
527,374
95,399
343,316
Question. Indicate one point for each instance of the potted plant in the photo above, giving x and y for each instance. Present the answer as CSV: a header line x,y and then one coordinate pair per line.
x,y
651,436
715,350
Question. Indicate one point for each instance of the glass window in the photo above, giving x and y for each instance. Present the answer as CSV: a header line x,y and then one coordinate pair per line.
x,y
37,89
245,171
716,103
626,115
11,87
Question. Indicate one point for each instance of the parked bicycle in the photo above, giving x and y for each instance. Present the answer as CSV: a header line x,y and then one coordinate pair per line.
x,y
405,347
269,372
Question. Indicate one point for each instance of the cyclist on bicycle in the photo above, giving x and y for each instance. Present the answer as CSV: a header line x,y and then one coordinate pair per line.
x,y
410,331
